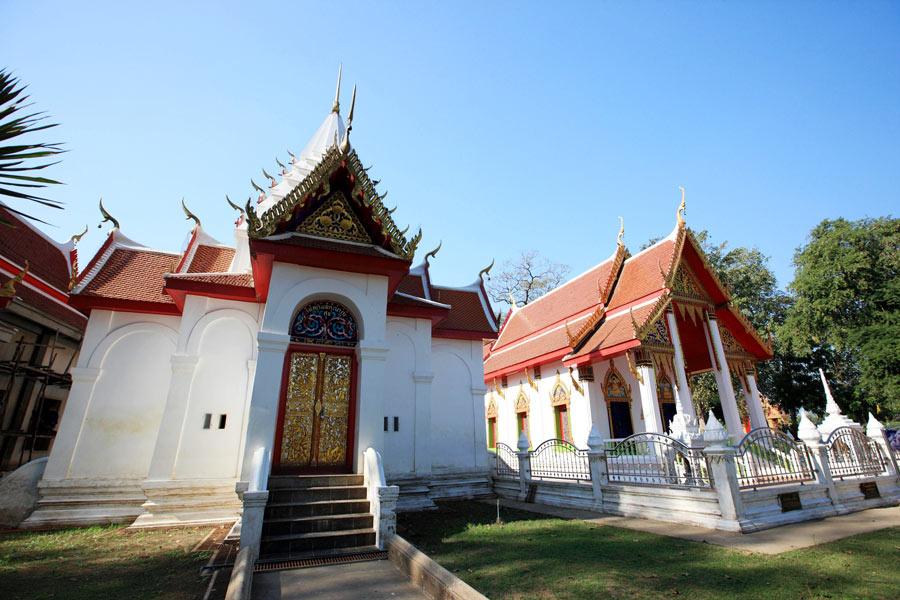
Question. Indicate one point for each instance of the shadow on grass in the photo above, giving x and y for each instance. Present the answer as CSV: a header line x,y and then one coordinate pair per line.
x,y
541,557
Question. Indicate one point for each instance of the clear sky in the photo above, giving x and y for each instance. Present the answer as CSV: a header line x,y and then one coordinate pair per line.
x,y
494,126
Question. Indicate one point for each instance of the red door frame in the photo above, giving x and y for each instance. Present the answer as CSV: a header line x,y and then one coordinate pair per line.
x,y
351,414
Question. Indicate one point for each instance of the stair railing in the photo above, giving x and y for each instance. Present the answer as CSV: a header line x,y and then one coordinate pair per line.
x,y
382,498
255,499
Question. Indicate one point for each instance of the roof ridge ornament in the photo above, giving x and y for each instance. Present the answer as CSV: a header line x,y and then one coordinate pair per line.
x,y
189,214
270,178
485,271
233,205
336,107
433,253
293,158
621,232
681,209
77,238
107,217
284,169
8,289
345,143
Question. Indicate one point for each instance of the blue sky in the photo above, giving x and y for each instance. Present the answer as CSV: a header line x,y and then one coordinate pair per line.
x,y
496,127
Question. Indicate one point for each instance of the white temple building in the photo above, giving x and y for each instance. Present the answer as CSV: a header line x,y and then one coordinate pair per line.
x,y
313,336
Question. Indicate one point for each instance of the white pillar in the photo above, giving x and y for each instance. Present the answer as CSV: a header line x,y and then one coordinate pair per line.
x,y
480,435
162,465
83,381
754,404
422,444
649,399
372,356
263,417
683,401
726,391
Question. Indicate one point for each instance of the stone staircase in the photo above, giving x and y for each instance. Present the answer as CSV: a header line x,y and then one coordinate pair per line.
x,y
310,516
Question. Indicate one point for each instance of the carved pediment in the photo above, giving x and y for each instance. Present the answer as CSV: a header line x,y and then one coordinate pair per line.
x,y
335,219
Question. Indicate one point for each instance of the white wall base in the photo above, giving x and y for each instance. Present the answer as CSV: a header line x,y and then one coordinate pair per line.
x,y
189,502
86,502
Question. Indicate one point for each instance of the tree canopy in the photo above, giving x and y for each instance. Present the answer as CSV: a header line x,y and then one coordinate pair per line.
x,y
526,278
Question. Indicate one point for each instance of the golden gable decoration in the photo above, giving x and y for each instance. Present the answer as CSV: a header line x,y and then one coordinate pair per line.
x,y
336,220
491,412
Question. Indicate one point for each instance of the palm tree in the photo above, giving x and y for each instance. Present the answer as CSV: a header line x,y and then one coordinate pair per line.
x,y
17,168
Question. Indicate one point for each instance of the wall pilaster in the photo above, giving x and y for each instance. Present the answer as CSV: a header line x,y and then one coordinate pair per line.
x,y
162,465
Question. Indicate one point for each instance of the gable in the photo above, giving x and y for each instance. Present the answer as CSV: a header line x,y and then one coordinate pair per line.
x,y
335,219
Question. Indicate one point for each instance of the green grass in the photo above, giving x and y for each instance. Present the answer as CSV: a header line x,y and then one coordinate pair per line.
x,y
102,562
532,556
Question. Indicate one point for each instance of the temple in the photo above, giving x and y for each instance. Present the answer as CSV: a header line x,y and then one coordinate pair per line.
x,y
615,348
313,337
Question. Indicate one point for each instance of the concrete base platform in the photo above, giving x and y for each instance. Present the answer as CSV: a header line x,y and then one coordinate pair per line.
x,y
369,580
769,541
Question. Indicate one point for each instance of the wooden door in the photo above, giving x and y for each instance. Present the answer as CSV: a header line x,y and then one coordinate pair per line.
x,y
316,426
620,419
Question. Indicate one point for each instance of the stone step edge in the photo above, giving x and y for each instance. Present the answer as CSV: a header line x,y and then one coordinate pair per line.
x,y
315,502
317,518
316,535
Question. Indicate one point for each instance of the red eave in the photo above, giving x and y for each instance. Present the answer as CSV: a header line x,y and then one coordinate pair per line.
x,y
88,303
747,340
531,362
435,313
602,354
179,288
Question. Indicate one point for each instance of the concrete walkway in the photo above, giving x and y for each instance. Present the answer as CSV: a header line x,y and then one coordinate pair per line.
x,y
369,580
769,541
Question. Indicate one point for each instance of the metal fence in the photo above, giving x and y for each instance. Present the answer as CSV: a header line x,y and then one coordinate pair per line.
x,y
768,456
506,462
559,459
656,459
852,454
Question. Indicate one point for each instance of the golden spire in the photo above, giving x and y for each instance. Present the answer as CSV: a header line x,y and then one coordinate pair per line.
x,y
77,238
681,209
107,217
8,289
621,231
345,143
336,108
189,214
433,253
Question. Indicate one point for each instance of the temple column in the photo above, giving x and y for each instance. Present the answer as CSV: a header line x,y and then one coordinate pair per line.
x,y
726,391
372,356
649,400
480,437
162,465
685,423
754,404
83,380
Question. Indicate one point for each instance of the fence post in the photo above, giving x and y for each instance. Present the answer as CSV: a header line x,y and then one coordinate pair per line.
x,y
524,465
597,464
875,431
723,472
809,435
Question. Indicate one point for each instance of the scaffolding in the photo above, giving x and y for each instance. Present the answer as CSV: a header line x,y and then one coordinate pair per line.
x,y
31,366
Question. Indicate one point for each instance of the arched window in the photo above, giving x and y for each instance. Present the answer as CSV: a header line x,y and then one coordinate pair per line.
x,y
522,411
559,400
618,403
491,414
324,322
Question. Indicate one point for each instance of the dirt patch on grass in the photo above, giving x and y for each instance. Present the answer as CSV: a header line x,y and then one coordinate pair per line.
x,y
103,562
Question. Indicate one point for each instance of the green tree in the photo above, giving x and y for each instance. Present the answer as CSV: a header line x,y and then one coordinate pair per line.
x,y
847,310
17,166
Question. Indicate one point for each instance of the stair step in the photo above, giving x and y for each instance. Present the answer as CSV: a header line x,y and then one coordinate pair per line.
x,y
320,508
307,481
319,554
334,523
313,494
315,542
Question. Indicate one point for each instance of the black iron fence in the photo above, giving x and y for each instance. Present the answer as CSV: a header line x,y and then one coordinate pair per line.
x,y
506,462
768,456
852,454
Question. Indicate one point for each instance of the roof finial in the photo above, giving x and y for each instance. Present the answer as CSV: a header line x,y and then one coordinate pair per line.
x,y
433,253
77,238
189,214
8,289
345,143
621,231
512,301
293,158
681,209
270,178
336,108
284,170
233,205
484,272
107,217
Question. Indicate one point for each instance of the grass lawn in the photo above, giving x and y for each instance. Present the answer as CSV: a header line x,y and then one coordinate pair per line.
x,y
534,556
102,562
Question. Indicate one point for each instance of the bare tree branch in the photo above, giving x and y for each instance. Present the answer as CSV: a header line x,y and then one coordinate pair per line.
x,y
526,278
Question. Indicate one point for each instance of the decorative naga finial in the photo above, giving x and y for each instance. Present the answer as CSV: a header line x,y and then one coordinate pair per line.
x,y
336,107
233,205
293,158
270,178
512,301
345,143
189,215
262,192
681,209
8,289
284,169
107,217
402,233
390,212
77,238
484,272
433,253
621,231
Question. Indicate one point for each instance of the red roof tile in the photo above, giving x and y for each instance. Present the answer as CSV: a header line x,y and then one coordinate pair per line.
x,y
45,259
49,307
234,279
211,259
641,274
412,285
466,312
135,275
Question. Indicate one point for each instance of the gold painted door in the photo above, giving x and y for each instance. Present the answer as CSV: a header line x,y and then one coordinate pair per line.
x,y
316,412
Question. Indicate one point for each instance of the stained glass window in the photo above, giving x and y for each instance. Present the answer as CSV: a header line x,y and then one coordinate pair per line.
x,y
324,322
